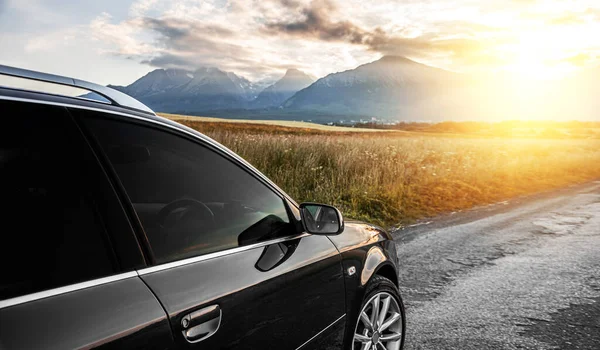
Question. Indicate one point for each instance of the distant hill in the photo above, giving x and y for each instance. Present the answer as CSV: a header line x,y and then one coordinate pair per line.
x,y
156,82
211,90
393,88
181,91
390,87
274,95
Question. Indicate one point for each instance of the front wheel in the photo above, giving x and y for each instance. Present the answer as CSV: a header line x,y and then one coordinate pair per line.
x,y
380,324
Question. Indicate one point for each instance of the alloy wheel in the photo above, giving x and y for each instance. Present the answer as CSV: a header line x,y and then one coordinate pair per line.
x,y
379,325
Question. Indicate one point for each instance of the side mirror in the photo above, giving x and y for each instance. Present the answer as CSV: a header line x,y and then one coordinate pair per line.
x,y
321,219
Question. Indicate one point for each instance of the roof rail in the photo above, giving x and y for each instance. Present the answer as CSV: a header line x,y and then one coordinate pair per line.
x,y
115,97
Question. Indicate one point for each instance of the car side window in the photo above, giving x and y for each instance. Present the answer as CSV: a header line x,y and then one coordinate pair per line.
x,y
52,234
190,199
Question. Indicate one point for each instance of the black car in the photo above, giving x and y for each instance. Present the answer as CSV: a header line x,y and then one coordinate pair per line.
x,y
123,229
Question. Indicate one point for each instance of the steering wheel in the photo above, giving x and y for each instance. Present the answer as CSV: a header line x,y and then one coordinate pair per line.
x,y
186,205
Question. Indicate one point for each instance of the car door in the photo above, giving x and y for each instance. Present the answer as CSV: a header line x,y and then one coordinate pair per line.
x,y
233,268
67,251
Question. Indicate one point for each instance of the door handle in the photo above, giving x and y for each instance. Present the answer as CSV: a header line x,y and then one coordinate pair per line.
x,y
201,324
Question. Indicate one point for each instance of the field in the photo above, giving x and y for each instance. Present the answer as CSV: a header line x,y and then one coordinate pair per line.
x,y
393,178
245,124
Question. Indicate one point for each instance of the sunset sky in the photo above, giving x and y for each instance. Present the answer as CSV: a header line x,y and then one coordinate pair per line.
x,y
116,41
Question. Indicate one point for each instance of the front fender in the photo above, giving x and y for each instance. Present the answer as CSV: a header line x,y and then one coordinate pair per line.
x,y
367,250
374,259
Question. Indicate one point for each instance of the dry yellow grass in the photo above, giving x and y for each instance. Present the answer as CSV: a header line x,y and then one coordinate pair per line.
x,y
390,178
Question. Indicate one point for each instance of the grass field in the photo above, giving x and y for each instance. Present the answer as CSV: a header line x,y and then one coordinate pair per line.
x,y
395,178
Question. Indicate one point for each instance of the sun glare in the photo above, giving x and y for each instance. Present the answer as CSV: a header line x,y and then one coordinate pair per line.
x,y
537,58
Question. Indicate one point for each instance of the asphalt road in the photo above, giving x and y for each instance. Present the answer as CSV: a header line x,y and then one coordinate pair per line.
x,y
523,274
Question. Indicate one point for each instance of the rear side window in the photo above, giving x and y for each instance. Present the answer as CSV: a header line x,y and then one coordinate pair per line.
x,y
51,233
190,199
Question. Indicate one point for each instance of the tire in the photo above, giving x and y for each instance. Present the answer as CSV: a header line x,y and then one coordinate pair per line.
x,y
378,290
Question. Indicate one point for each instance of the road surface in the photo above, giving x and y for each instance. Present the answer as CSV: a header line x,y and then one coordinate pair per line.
x,y
523,274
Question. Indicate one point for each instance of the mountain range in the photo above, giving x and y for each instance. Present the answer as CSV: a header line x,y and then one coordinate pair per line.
x,y
393,88
275,95
389,87
210,89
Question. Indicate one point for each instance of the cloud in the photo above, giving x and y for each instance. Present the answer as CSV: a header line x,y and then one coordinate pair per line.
x,y
189,36
141,7
171,42
261,38
575,18
316,22
185,44
51,41
567,19
182,31
580,59
122,37
560,17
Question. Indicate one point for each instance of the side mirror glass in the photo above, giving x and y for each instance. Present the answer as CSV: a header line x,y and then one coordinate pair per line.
x,y
321,219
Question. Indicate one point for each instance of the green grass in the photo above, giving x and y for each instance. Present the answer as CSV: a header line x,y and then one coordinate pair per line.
x,y
397,178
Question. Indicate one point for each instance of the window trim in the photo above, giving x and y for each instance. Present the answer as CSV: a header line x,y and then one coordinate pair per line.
x,y
193,136
221,151
139,272
198,137
65,289
157,267
224,252
212,146
155,119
